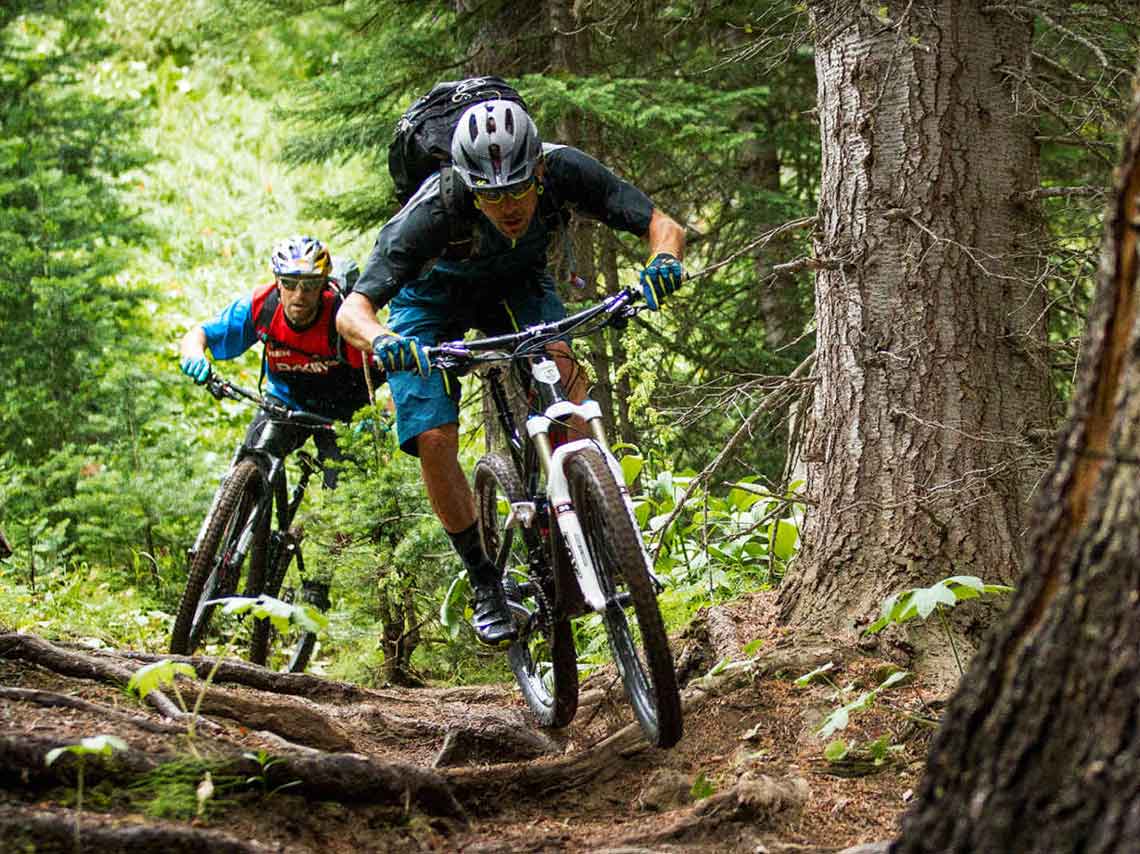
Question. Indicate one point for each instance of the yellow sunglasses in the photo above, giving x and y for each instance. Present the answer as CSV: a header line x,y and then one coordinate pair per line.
x,y
516,192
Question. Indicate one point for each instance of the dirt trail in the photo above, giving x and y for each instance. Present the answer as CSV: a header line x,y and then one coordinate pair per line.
x,y
302,764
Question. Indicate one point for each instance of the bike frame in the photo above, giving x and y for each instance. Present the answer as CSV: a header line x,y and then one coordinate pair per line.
x,y
552,460
266,450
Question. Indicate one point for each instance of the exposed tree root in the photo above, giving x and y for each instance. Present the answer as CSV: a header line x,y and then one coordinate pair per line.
x,y
82,666
54,700
481,788
762,803
294,720
51,832
298,723
253,676
343,777
496,741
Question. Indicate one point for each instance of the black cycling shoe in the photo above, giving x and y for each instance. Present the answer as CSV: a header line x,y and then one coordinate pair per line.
x,y
492,618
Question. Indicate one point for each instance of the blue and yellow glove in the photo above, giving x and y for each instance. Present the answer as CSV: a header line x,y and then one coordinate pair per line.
x,y
395,353
197,368
661,276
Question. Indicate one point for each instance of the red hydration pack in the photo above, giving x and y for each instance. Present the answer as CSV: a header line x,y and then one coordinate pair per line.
x,y
320,371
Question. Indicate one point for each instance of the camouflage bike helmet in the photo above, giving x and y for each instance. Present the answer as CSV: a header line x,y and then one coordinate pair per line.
x,y
301,257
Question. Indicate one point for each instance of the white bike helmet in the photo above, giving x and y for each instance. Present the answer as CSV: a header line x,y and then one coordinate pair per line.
x,y
495,144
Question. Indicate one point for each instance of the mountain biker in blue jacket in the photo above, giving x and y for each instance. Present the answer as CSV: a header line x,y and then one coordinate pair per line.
x,y
481,263
294,316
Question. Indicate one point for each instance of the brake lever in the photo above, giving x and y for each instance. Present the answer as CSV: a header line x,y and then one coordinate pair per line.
x,y
218,387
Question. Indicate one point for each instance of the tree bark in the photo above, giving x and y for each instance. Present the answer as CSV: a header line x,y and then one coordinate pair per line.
x,y
1040,748
931,374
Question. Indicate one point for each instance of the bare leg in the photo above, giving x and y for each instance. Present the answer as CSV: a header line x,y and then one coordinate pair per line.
x,y
447,487
453,502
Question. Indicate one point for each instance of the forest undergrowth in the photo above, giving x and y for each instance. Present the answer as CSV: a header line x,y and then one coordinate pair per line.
x,y
461,768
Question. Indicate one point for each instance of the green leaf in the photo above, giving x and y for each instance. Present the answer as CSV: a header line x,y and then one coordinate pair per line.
x,y
96,745
641,511
743,495
893,679
702,787
276,611
452,608
879,749
807,678
719,667
969,581
631,467
784,536
158,674
926,599
834,722
835,751
753,647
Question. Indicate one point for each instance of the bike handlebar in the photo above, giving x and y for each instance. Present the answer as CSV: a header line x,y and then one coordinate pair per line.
x,y
222,388
614,310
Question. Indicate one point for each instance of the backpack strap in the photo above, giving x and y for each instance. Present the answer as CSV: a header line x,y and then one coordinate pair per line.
x,y
453,194
262,325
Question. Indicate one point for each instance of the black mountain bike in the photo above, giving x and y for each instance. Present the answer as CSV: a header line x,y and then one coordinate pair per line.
x,y
249,529
540,502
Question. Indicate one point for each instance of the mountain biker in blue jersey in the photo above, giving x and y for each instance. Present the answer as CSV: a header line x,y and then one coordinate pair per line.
x,y
446,265
304,363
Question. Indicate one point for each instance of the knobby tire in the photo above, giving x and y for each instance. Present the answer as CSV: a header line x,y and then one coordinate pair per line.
x,y
544,661
209,578
611,538
265,635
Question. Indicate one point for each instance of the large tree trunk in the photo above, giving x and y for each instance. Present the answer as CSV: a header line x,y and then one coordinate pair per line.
x,y
1040,748
931,376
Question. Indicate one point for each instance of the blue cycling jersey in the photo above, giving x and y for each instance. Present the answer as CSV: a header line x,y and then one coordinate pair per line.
x,y
231,333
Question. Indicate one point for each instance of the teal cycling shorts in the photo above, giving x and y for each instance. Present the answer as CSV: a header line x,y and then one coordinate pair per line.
x,y
439,307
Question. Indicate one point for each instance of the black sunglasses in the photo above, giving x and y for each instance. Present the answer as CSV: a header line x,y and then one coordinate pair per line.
x,y
307,284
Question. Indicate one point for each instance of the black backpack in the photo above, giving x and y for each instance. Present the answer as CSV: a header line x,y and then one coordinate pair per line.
x,y
421,144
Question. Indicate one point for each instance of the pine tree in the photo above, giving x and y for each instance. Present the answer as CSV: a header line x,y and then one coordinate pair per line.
x,y
62,226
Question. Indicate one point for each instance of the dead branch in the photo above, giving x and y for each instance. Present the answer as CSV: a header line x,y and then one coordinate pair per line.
x,y
765,404
762,240
1054,192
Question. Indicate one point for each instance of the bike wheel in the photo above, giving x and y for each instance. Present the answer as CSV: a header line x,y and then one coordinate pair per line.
x,y
214,572
543,657
299,643
615,549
